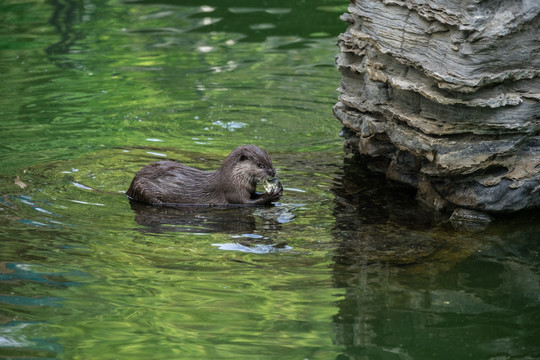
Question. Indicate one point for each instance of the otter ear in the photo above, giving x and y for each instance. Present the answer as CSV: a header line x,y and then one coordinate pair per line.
x,y
243,157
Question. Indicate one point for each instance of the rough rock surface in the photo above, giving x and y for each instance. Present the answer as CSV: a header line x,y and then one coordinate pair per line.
x,y
447,94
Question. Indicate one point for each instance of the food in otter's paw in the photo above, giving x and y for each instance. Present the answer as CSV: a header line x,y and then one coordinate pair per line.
x,y
172,183
271,185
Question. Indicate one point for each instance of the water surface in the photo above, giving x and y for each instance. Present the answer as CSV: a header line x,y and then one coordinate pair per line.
x,y
345,266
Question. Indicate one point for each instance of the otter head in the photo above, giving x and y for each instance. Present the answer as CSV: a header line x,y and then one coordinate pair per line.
x,y
251,164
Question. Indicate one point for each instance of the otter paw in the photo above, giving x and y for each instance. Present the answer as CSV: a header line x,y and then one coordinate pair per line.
x,y
276,193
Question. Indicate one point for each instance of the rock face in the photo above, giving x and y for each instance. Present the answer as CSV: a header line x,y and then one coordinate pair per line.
x,y
445,96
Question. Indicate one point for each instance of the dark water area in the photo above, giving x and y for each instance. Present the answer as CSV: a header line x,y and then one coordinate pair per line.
x,y
345,266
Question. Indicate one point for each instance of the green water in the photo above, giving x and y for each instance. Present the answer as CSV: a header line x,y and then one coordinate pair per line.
x,y
345,266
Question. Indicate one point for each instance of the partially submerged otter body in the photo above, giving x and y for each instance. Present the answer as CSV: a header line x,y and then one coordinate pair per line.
x,y
170,182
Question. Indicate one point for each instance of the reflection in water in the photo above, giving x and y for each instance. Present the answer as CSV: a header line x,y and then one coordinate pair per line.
x,y
254,20
253,244
377,221
414,287
25,210
14,342
240,222
66,17
14,276
194,219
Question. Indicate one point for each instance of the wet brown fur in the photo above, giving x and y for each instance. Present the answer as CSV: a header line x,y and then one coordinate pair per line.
x,y
170,182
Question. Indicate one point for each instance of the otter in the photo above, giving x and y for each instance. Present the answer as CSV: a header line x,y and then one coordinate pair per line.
x,y
172,183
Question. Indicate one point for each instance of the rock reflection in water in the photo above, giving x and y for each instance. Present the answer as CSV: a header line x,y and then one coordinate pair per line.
x,y
380,222
413,284
380,233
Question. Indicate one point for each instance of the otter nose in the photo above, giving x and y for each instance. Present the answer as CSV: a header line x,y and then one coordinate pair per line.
x,y
272,172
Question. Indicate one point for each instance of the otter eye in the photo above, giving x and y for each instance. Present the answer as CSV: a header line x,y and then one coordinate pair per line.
x,y
261,166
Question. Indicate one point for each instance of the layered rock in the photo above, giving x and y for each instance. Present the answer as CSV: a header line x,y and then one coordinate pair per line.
x,y
447,94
